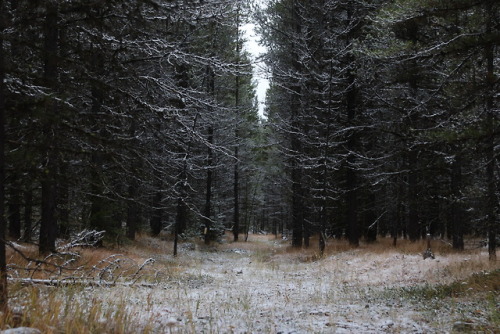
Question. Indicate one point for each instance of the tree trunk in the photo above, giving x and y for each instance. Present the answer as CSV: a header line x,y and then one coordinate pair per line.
x,y
296,147
492,202
99,208
297,212
209,234
181,217
98,216
351,177
399,213
456,206
156,218
63,201
48,229
324,173
306,228
133,191
3,262
413,220
323,211
48,224
132,211
15,211
28,210
371,224
180,220
236,186
352,207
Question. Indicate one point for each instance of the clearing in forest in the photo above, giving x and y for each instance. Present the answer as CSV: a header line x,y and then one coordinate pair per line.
x,y
264,286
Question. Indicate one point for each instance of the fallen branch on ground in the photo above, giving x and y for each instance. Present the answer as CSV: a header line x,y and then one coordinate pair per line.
x,y
76,281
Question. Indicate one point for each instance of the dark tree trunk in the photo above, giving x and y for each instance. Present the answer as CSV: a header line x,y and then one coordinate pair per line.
x,y
180,220
371,220
133,191
15,211
456,206
98,215
296,174
274,227
209,234
28,210
323,213
414,73
306,216
307,230
352,208
236,187
182,77
492,201
132,211
3,262
156,218
413,219
99,208
353,231
397,222
181,216
282,221
322,243
324,176
63,201
48,223
48,229
296,146
297,208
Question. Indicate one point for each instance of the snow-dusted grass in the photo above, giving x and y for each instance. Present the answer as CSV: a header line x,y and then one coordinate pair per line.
x,y
265,286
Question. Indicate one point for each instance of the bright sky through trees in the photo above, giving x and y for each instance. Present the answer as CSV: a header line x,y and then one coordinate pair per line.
x,y
260,74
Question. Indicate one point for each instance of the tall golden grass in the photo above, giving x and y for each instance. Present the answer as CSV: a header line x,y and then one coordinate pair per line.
x,y
381,245
59,311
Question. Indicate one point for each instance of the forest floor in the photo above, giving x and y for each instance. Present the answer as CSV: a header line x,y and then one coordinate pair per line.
x,y
264,286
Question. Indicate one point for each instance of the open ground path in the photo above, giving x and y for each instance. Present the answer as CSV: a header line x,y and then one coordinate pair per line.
x,y
264,287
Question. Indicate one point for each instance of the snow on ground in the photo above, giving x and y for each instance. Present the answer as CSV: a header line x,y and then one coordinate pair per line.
x,y
250,291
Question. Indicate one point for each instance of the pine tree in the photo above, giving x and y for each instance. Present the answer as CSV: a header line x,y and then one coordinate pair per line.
x,y
3,260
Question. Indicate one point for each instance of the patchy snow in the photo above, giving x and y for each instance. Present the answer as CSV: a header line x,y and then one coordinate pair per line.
x,y
246,291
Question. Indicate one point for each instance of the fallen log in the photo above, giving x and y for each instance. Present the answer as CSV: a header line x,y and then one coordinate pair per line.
x,y
77,281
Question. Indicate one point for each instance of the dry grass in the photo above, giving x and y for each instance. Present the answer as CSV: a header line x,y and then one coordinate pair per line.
x,y
385,245
147,246
74,309
482,282
336,246
18,261
71,309
404,246
59,311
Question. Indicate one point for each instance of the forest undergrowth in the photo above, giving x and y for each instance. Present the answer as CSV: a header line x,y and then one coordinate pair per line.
x,y
259,286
